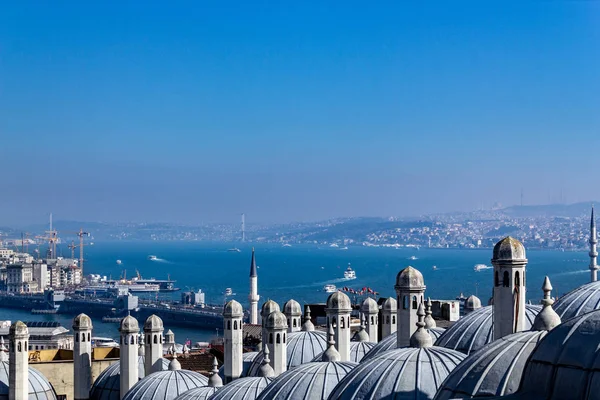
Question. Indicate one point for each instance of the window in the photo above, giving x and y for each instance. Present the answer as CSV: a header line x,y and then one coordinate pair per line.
x,y
393,319
270,338
155,339
228,325
89,336
82,337
505,279
19,347
496,280
77,338
284,338
131,340
406,303
289,322
295,323
235,325
278,338
333,323
342,325
517,279
414,303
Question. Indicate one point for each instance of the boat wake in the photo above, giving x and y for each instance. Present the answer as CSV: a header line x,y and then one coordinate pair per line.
x,y
581,271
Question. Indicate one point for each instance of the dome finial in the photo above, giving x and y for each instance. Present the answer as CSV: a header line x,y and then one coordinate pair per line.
x,y
174,365
429,321
547,319
265,370
307,326
331,354
215,380
421,338
363,335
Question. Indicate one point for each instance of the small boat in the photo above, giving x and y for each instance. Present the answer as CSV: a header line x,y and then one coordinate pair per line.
x,y
229,292
287,245
481,267
344,248
104,342
329,288
349,273
119,262
434,267
334,245
152,258
413,258
234,250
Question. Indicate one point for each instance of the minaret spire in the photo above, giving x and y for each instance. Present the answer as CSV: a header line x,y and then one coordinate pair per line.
x,y
253,297
593,251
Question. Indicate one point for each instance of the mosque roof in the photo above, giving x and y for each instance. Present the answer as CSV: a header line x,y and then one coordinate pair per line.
x,y
166,385
292,307
199,393
339,301
579,301
358,350
233,309
153,323
39,387
242,389
390,343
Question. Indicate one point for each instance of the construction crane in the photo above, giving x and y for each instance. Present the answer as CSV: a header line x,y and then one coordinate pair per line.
x,y
52,238
81,234
72,246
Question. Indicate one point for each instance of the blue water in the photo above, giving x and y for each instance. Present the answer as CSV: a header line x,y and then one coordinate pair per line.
x,y
299,272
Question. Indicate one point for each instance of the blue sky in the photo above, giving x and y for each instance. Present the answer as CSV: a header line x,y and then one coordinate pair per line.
x,y
198,111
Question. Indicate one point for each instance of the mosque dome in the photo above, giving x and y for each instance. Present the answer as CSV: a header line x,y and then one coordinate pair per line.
x,y
153,323
369,306
18,328
390,304
242,389
358,350
475,329
39,387
391,342
410,278
509,249
292,307
129,325
82,321
247,361
494,370
276,320
108,383
269,307
565,364
302,347
411,373
233,309
310,381
339,301
199,393
472,302
579,301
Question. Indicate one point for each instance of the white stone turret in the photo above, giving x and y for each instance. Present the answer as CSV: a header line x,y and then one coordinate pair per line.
x,y
276,326
370,311
410,291
82,357
293,313
593,251
129,330
389,309
153,344
253,297
18,363
232,318
509,263
169,339
267,308
338,318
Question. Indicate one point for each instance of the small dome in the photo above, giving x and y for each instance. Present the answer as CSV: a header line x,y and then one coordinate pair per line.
x,y
166,385
339,301
247,360
369,306
302,347
475,329
472,303
18,328
39,387
276,320
358,350
565,364
410,278
579,301
390,304
233,309
391,343
153,323
129,325
407,373
495,370
200,393
108,383
292,307
82,321
314,380
509,249
269,307
242,389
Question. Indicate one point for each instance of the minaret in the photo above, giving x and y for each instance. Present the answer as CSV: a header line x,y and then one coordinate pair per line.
x,y
18,364
593,251
253,297
169,339
338,310
267,308
547,319
429,321
389,309
410,291
129,330
276,326
509,263
292,312
232,318
153,344
370,311
82,357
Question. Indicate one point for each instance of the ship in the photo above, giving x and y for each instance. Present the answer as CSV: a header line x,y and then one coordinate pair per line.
x,y
234,250
349,273
152,258
229,292
481,267
412,258
329,288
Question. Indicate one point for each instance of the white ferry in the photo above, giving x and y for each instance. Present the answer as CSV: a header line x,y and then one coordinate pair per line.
x,y
413,258
481,267
229,292
152,258
234,250
349,273
104,342
329,288
119,262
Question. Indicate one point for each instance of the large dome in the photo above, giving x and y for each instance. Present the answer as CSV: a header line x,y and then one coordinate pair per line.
x,y
407,373
242,389
39,387
166,385
391,342
302,347
579,301
565,364
247,361
358,350
475,329
199,393
509,249
495,370
312,381
108,383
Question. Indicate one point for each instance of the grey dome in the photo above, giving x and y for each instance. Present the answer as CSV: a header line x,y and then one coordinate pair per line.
x,y
312,381
82,321
579,301
358,350
475,330
18,328
369,306
495,370
233,309
200,393
108,383
268,307
407,373
292,307
509,249
410,278
129,325
276,320
153,323
39,387
242,389
391,342
390,304
565,364
166,385
472,302
339,301
247,360
302,347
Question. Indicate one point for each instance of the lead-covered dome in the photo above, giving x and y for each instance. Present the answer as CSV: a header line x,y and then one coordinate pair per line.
x,y
407,373
391,342
129,325
242,389
247,361
358,350
268,307
39,387
579,301
310,381
509,249
108,383
82,321
276,320
200,393
153,323
166,385
292,307
475,329
472,303
494,370
390,304
233,309
410,278
339,301
369,306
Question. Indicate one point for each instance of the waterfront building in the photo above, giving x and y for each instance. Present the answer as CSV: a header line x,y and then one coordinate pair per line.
x,y
43,335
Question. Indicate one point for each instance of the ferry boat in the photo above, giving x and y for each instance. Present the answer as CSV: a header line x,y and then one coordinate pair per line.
x,y
434,267
481,267
329,288
119,262
104,342
152,258
229,292
234,250
349,273
412,258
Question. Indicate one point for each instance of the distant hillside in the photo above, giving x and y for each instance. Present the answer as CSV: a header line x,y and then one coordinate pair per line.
x,y
550,210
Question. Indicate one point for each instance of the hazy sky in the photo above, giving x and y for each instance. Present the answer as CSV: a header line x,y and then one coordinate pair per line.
x,y
198,111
